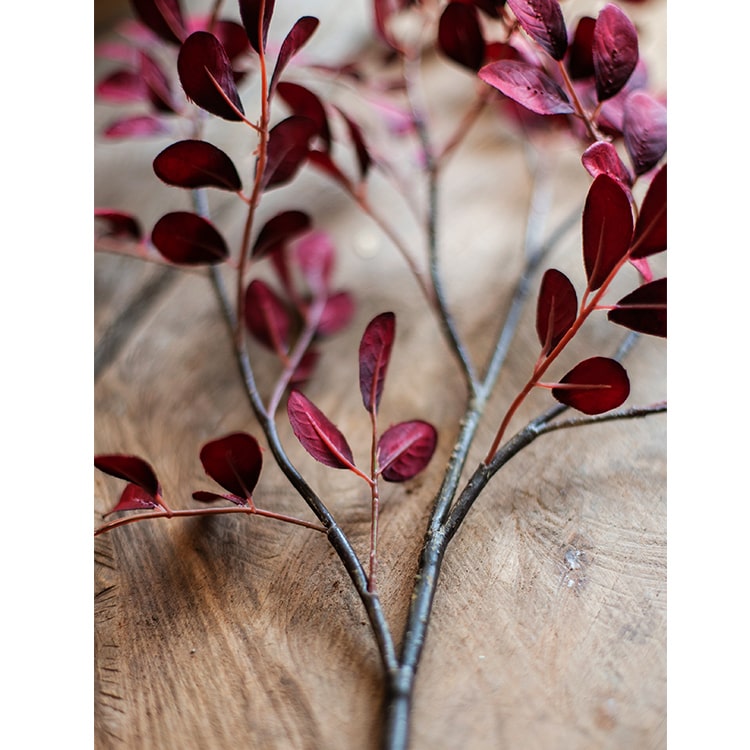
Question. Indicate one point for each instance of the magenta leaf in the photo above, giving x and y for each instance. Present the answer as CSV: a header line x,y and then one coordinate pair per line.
x,y
543,21
134,497
122,87
527,85
317,434
594,386
643,310
305,368
163,17
267,317
288,145
460,35
130,468
374,356
337,313
203,496
250,15
405,449
364,160
157,83
279,230
315,255
234,462
137,125
650,236
557,309
206,75
580,60
644,126
188,239
195,164
299,35
607,229
304,103
118,224
602,158
615,51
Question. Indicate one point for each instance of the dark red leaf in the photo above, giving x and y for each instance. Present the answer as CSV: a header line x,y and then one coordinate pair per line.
x,y
644,126
337,313
594,386
528,86
233,38
607,229
543,21
324,163
602,158
374,356
305,103
557,309
250,15
157,84
267,317
318,435
280,229
460,35
130,468
163,17
288,145
643,310
315,255
188,239
195,164
580,61
405,449
615,51
204,68
234,462
134,497
118,224
203,496
138,126
364,160
305,368
299,35
650,236
122,87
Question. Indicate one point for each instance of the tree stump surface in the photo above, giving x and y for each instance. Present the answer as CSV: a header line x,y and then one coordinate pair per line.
x,y
549,625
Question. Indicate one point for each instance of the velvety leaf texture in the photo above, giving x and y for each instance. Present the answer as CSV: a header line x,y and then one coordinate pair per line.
x,y
405,449
557,309
374,356
188,239
528,86
130,468
203,65
267,317
644,127
643,310
602,158
607,229
460,35
299,35
288,145
594,386
234,462
163,17
250,15
305,103
543,21
615,51
317,434
195,164
650,236
279,230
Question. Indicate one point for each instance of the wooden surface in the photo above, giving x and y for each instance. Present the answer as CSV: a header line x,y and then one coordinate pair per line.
x,y
549,627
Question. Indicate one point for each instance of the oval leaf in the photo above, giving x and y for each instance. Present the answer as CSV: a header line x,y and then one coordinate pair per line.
x,y
234,462
188,239
527,85
304,103
643,310
614,50
279,230
163,17
315,254
299,35
594,386
602,158
543,21
267,317
206,74
250,15
650,234
118,224
136,126
580,60
557,309
374,356
405,449
122,87
607,229
195,164
130,468
644,126
460,35
288,145
318,435
337,313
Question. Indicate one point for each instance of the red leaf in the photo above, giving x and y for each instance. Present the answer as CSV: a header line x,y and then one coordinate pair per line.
x,y
602,158
250,14
318,435
163,17
139,125
594,386
460,35
118,224
130,468
557,309
203,496
233,38
194,164
234,462
374,356
267,317
405,449
315,254
202,65
543,21
644,125
607,229
650,236
337,313
288,144
364,160
324,163
122,87
157,84
304,103
279,230
643,310
305,368
580,61
299,35
134,497
188,239
615,51
528,86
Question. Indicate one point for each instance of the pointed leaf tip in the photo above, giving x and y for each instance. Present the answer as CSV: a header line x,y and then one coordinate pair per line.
x,y
557,309
374,356
233,461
